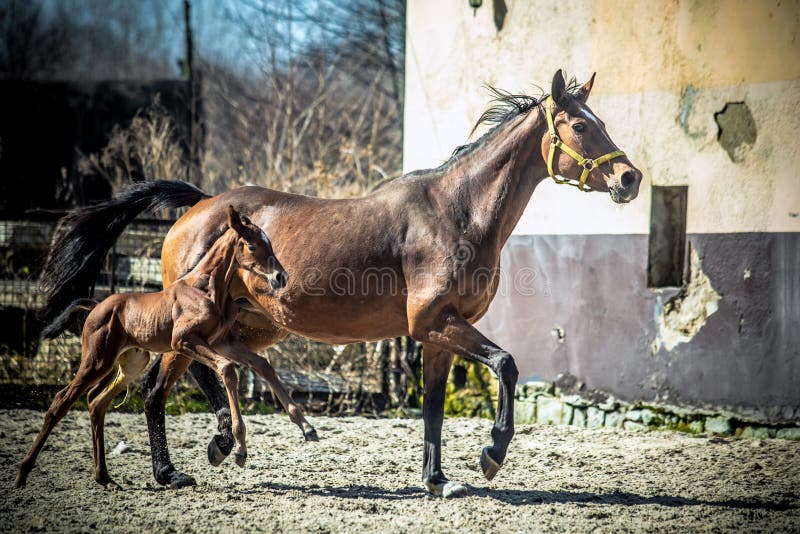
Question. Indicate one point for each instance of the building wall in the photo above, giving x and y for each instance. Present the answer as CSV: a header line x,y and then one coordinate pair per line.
x,y
665,73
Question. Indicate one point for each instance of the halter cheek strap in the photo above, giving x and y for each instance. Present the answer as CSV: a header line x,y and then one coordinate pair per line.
x,y
588,164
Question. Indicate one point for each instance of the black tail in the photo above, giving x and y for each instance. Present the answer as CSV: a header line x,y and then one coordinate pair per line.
x,y
59,324
84,236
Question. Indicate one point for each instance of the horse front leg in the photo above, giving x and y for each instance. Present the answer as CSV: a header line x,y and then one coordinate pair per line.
x,y
447,330
156,386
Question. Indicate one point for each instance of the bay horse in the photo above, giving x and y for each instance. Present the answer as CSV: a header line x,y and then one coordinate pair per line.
x,y
189,316
431,233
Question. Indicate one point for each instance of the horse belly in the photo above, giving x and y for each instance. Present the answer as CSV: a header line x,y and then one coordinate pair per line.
x,y
340,319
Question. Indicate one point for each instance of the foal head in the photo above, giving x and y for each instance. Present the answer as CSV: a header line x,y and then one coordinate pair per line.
x,y
253,250
579,129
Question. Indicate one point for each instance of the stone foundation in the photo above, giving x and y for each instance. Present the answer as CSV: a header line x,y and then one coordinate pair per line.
x,y
546,403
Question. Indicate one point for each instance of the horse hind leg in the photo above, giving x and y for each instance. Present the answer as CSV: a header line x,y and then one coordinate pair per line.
x,y
222,443
94,367
130,365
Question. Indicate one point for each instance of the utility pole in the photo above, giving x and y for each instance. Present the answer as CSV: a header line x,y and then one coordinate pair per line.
x,y
194,97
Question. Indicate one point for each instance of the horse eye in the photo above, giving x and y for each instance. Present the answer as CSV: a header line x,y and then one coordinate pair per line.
x,y
251,248
579,127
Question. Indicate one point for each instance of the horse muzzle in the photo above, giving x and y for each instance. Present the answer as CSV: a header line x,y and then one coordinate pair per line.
x,y
626,187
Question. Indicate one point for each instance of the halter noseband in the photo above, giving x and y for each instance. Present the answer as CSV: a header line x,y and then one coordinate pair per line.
x,y
588,164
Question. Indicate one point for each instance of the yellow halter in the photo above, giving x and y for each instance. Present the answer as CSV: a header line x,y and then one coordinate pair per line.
x,y
588,164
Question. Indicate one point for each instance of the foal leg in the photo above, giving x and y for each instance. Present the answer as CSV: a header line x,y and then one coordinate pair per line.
x,y
130,366
227,371
451,332
96,363
240,353
197,349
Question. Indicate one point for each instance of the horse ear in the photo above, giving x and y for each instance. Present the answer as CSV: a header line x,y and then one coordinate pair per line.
x,y
583,92
558,89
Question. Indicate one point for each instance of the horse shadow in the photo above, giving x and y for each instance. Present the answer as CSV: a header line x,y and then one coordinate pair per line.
x,y
520,497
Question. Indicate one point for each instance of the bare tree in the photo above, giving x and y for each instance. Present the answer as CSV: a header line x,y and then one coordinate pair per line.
x,y
321,110
30,46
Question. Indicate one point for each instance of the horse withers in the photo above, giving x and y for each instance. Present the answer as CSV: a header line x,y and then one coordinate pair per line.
x,y
190,316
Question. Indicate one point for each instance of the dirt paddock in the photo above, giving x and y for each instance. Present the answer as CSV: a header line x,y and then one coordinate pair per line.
x,y
364,475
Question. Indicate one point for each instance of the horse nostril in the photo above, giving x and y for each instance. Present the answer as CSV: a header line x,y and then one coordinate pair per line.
x,y
628,179
281,278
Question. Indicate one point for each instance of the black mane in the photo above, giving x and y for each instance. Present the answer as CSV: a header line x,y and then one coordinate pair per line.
x,y
503,107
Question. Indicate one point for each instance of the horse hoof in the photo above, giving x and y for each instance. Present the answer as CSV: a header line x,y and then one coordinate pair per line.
x,y
311,435
20,482
489,466
240,459
179,480
215,453
448,490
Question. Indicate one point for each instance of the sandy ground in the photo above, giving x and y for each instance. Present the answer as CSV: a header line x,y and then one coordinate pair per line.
x,y
364,475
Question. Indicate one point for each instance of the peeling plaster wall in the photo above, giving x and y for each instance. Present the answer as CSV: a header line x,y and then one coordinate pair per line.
x,y
682,316
701,94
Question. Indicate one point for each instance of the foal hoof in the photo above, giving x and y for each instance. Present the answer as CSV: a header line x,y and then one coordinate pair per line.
x,y
240,458
489,466
448,489
217,452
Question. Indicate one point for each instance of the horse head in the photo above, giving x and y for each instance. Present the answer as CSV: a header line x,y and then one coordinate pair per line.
x,y
578,148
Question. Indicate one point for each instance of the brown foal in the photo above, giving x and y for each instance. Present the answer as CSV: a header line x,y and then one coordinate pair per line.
x,y
190,316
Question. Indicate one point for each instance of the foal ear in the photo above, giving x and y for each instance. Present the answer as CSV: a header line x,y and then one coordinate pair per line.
x,y
234,219
583,92
558,89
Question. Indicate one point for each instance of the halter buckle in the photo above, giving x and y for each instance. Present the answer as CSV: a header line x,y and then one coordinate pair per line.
x,y
588,164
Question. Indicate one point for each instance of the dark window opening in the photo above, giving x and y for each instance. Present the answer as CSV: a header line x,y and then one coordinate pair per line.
x,y
667,248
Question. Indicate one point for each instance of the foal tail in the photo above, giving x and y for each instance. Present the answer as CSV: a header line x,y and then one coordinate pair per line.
x,y
59,324
84,236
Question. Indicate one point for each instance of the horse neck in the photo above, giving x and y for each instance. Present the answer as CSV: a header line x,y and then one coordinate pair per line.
x,y
217,265
488,188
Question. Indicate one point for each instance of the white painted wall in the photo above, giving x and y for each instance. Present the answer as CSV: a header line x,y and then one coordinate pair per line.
x,y
645,54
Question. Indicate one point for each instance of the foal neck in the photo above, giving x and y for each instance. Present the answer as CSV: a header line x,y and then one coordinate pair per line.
x,y
215,269
487,188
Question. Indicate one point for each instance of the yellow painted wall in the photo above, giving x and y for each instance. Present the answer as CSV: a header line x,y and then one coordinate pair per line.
x,y
642,45
646,54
